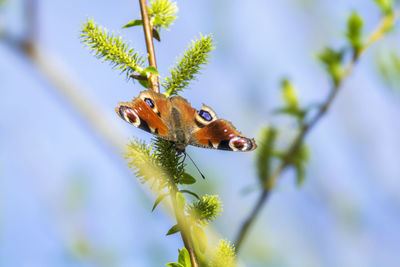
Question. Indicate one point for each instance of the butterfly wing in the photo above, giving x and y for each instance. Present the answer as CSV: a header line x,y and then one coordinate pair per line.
x,y
174,119
211,132
148,112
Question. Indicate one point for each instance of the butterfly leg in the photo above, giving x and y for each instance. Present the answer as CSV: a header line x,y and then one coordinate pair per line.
x,y
184,156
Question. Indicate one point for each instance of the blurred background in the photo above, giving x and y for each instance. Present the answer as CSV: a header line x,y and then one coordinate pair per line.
x,y
67,197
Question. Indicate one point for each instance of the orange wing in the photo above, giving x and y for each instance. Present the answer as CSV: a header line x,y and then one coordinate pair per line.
x,y
148,112
221,134
152,111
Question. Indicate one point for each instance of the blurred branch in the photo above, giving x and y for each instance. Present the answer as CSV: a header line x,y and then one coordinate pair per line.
x,y
384,26
52,69
31,10
148,35
183,226
386,23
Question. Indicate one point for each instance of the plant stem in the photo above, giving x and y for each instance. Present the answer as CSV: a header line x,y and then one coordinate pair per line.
x,y
183,227
31,15
148,36
153,85
249,221
376,35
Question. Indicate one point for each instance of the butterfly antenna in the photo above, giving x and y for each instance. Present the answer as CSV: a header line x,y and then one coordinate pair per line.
x,y
202,176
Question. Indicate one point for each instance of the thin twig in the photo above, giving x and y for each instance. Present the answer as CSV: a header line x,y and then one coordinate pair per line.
x,y
148,35
183,227
153,85
249,221
32,27
306,128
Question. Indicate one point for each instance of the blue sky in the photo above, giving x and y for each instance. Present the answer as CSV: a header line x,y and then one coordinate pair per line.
x,y
62,187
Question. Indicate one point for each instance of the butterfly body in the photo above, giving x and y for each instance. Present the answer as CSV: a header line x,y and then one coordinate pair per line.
x,y
175,120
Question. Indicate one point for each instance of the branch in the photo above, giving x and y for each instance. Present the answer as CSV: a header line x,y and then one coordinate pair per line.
x,y
170,164
148,35
153,85
31,12
183,226
385,24
60,79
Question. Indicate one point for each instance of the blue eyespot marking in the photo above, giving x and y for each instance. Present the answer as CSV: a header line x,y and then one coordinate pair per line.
x,y
149,102
205,115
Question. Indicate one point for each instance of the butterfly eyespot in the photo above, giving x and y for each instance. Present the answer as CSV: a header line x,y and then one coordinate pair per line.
x,y
240,144
205,115
149,102
129,115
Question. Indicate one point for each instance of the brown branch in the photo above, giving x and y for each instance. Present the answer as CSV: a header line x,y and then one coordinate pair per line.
x,y
148,35
32,27
153,85
249,221
376,35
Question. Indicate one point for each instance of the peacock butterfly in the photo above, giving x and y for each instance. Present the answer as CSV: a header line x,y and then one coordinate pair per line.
x,y
175,120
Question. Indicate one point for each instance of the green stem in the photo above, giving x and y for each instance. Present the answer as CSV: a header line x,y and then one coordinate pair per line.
x,y
183,227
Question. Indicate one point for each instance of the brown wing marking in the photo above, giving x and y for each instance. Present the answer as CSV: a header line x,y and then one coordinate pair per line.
x,y
221,134
186,111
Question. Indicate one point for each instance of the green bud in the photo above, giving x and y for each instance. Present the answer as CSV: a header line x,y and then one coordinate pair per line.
x,y
386,6
289,94
184,258
333,63
354,32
